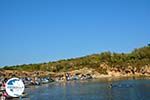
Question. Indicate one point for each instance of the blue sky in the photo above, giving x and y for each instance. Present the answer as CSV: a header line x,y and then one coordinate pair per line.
x,y
34,31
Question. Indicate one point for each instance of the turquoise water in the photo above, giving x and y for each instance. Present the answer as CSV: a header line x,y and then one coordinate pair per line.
x,y
127,89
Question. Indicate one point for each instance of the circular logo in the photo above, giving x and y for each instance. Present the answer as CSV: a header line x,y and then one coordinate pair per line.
x,y
14,87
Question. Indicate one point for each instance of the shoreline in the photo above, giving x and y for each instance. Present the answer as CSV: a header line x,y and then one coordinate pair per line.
x,y
84,71
40,77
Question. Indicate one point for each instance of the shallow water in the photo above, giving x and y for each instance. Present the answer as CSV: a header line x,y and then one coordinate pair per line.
x,y
126,89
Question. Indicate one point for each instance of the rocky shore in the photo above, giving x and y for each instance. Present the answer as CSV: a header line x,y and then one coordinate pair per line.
x,y
81,74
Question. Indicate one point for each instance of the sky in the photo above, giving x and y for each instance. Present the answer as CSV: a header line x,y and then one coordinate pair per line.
x,y
36,31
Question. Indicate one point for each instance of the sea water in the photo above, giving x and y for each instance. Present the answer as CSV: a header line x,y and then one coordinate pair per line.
x,y
106,89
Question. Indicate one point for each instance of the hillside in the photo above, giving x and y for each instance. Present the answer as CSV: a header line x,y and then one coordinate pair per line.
x,y
138,61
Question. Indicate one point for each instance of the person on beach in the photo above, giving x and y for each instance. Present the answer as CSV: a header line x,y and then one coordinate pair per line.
x,y
4,95
3,85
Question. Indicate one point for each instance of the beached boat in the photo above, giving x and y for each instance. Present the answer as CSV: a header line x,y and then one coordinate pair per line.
x,y
46,80
35,83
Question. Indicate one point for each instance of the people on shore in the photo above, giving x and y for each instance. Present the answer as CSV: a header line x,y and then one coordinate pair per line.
x,y
4,94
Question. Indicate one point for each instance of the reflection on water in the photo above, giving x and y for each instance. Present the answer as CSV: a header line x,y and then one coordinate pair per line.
x,y
126,89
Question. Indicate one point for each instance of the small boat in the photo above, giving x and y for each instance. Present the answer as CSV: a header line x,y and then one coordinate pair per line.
x,y
75,77
35,83
44,81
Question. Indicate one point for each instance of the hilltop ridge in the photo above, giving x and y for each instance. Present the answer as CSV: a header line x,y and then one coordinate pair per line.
x,y
106,63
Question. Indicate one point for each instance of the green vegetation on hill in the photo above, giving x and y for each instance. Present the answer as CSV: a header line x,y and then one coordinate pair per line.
x,y
137,59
